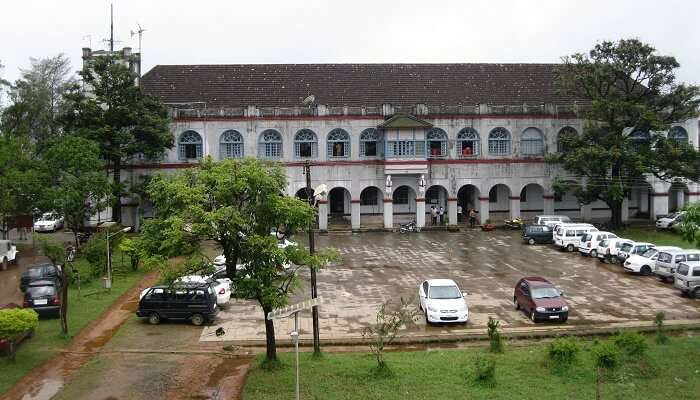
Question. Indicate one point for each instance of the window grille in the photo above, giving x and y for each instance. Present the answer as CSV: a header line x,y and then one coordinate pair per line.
x,y
532,142
190,146
305,144
678,134
369,143
565,132
467,143
369,197
639,139
231,145
493,195
270,145
401,195
499,141
437,143
338,143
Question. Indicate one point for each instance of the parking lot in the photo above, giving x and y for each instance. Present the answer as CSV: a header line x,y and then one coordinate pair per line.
x,y
377,267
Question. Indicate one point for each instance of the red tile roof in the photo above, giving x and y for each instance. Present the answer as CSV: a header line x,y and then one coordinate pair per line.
x,y
286,85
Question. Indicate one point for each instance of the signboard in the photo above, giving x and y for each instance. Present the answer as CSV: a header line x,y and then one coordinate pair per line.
x,y
285,312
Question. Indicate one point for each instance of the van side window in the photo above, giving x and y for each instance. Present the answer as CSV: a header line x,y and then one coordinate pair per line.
x,y
545,228
680,258
664,257
696,271
570,233
693,257
155,294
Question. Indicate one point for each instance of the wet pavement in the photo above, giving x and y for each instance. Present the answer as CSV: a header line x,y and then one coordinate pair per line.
x,y
378,267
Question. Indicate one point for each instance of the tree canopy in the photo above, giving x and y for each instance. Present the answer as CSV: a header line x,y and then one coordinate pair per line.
x,y
632,99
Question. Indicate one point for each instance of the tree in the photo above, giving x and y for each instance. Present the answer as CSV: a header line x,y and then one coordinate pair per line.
x,y
79,187
57,255
383,332
119,116
690,227
15,321
632,96
236,204
37,99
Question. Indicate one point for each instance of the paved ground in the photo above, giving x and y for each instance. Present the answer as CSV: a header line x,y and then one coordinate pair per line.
x,y
381,266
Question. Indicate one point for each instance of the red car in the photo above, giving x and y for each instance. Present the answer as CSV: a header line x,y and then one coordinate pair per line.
x,y
539,299
5,344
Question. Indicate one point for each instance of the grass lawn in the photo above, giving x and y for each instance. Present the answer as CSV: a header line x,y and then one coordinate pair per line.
x,y
447,374
659,238
48,339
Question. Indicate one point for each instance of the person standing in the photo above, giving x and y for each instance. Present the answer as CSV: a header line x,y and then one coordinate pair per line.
x,y
433,215
459,212
472,217
441,217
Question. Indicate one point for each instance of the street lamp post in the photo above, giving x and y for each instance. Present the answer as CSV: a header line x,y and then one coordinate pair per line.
x,y
108,283
312,249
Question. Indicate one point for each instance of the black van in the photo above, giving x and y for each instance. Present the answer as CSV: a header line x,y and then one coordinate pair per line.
x,y
43,297
537,234
195,302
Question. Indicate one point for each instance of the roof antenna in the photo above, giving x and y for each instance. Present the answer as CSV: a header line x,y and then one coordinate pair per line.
x,y
139,32
111,27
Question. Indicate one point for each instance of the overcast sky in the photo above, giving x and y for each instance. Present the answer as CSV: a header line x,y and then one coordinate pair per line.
x,y
348,31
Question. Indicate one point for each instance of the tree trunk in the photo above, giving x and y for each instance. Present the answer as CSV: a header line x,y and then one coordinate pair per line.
x,y
231,261
616,217
116,192
270,336
64,303
12,350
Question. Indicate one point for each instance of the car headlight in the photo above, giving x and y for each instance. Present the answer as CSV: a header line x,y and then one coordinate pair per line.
x,y
539,309
431,309
565,308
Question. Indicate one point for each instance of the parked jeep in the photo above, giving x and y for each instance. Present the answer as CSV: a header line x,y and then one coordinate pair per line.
x,y
8,253
687,278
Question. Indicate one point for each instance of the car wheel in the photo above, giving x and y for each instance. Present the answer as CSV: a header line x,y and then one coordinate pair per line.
x,y
153,318
197,319
531,241
696,293
515,304
563,320
645,270
4,264
570,248
427,321
594,253
532,316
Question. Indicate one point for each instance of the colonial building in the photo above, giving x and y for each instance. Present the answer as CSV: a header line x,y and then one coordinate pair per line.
x,y
392,140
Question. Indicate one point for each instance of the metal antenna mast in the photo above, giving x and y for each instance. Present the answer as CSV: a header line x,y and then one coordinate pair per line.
x,y
139,32
111,27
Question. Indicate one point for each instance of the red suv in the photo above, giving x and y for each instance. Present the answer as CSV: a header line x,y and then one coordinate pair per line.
x,y
540,300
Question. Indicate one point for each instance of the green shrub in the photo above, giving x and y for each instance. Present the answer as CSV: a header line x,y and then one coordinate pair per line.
x,y
606,355
484,369
95,252
631,343
496,345
563,352
661,337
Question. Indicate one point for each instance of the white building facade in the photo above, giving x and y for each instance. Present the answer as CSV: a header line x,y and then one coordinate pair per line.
x,y
390,155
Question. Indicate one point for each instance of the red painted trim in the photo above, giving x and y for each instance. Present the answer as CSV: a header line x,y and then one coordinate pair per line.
x,y
514,197
693,193
452,199
323,202
483,198
388,200
659,194
490,161
420,200
377,117
354,201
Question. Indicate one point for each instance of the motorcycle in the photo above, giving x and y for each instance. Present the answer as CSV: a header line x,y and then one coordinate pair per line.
x,y
83,237
409,227
515,224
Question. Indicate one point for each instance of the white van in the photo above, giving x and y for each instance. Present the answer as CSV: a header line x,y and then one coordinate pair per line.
x,y
568,236
668,260
551,220
589,242
687,278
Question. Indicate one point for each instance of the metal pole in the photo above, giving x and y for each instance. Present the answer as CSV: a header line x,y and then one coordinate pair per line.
x,y
296,347
312,250
109,265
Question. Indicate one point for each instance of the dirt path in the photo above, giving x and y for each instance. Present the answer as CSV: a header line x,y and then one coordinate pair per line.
x,y
45,381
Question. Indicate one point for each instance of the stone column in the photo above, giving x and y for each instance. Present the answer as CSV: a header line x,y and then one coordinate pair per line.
x,y
680,196
420,212
483,209
388,214
514,207
625,217
660,204
323,215
355,214
548,204
452,211
693,193
586,212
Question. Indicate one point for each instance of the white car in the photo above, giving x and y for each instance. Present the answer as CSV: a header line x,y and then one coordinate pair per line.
x,y
670,220
628,249
8,253
48,222
644,263
608,248
222,286
589,242
442,301
220,260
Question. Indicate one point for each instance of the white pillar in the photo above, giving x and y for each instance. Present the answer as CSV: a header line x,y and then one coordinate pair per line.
x,y
452,211
587,212
514,207
323,215
388,214
483,209
625,217
420,212
660,204
355,214
680,197
548,204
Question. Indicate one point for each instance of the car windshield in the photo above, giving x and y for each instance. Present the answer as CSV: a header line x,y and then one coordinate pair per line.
x,y
683,269
626,247
47,217
545,293
38,291
693,257
649,253
444,292
603,243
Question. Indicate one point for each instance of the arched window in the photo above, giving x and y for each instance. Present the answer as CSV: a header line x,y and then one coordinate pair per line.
x,y
678,134
532,142
564,133
437,143
467,143
499,141
305,144
338,144
270,144
369,143
231,145
369,196
189,146
640,139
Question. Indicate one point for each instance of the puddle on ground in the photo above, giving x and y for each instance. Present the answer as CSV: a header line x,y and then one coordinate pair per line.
x,y
226,381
